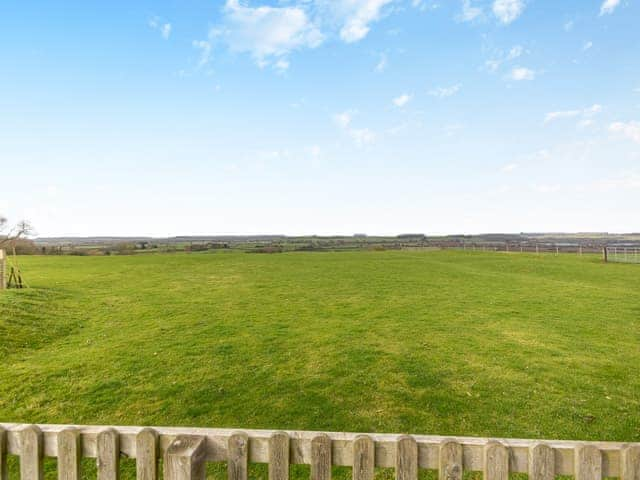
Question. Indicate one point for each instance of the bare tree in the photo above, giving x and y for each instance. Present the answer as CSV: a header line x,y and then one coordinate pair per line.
x,y
9,235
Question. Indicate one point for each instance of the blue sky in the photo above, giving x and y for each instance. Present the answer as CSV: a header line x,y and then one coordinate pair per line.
x,y
171,117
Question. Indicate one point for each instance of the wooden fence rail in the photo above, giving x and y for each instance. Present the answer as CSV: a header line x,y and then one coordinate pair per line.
x,y
185,451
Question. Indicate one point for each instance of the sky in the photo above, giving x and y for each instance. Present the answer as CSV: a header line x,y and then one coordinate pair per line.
x,y
178,117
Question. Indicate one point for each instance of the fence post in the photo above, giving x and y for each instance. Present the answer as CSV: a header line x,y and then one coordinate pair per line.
x,y
321,458
147,454
496,462
450,461
69,454
238,456
31,453
406,458
4,475
185,458
108,455
605,255
3,270
279,456
363,458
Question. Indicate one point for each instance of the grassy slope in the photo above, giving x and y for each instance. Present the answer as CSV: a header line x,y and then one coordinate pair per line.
x,y
419,342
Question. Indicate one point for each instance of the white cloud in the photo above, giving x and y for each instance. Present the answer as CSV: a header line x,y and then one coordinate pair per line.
x,y
608,6
585,113
521,73
282,64
494,64
353,17
205,51
382,64
267,33
515,52
510,167
402,100
443,92
631,130
508,10
163,28
343,120
587,46
361,136
469,12
568,26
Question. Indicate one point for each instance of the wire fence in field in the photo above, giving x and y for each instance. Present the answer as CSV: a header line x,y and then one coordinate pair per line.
x,y
623,254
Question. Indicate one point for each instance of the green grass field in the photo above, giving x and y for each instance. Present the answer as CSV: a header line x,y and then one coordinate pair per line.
x,y
419,342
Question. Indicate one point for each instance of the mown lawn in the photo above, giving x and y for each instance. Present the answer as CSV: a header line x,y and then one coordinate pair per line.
x,y
419,342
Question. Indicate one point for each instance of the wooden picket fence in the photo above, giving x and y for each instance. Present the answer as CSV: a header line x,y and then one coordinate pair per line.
x,y
185,452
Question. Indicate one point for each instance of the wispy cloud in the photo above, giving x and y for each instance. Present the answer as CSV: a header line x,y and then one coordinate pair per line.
x,y
469,12
353,16
494,64
268,34
508,10
163,27
587,46
519,74
402,100
360,136
382,64
510,167
443,92
585,113
608,7
205,51
630,130
568,26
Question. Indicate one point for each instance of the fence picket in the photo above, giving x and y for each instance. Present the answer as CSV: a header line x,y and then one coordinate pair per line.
x,y
147,454
363,458
108,455
321,457
406,458
630,465
185,458
279,456
588,463
3,454
450,461
238,456
31,453
542,462
69,454
496,461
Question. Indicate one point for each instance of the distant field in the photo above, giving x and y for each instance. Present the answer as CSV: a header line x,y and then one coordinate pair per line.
x,y
438,342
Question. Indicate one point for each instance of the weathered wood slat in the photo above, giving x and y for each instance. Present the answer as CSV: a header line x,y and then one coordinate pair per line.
x,y
630,464
279,456
450,465
588,463
406,459
69,454
108,455
341,446
147,454
542,462
238,456
363,458
4,475
496,461
321,458
31,458
185,458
